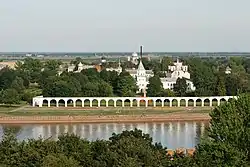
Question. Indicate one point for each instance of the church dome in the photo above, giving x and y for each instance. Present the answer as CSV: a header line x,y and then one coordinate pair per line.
x,y
80,64
134,54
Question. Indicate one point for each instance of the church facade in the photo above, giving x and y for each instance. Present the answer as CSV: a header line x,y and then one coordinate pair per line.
x,y
178,70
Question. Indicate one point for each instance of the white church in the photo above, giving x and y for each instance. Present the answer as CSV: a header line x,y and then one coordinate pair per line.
x,y
178,70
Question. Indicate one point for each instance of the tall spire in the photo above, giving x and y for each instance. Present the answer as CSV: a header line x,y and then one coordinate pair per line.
x,y
141,52
141,67
119,62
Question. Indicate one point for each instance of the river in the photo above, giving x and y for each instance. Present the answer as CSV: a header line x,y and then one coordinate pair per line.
x,y
171,134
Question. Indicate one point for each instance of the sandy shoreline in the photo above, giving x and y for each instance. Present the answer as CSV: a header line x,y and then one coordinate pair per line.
x,y
104,119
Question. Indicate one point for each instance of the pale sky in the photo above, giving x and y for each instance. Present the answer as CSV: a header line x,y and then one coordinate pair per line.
x,y
123,25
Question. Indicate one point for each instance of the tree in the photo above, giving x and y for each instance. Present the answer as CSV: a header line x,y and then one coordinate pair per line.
x,y
126,86
165,62
90,89
229,136
62,88
155,87
7,76
167,93
17,84
180,87
59,160
10,96
52,65
104,89
136,149
221,88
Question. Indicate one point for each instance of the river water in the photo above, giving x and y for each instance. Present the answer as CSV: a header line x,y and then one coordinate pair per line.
x,y
171,134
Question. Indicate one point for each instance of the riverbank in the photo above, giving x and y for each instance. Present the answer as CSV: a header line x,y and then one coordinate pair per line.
x,y
104,119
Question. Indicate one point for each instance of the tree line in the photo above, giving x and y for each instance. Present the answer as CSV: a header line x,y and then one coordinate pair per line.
x,y
34,77
227,145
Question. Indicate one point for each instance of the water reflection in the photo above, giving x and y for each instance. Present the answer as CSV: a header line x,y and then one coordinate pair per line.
x,y
170,134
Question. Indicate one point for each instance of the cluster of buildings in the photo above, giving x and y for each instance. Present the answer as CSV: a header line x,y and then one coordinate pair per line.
x,y
178,70
141,75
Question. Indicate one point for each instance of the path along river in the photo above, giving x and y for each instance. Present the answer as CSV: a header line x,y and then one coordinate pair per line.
x,y
171,134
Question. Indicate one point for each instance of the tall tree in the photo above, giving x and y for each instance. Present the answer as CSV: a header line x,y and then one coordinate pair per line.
x,y
221,88
10,96
229,136
7,76
105,89
180,87
155,87
17,84
125,86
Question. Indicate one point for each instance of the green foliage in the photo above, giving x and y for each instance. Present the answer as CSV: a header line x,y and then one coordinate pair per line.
x,y
10,96
59,160
221,87
229,136
126,86
180,87
155,87
52,65
7,76
17,84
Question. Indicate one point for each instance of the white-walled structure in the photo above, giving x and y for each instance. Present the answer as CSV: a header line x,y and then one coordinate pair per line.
x,y
118,69
80,67
178,70
141,76
134,58
131,101
228,70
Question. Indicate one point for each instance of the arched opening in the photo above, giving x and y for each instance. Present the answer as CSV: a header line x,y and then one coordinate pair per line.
x,y
166,103
158,102
222,101
206,102
61,103
111,103
103,103
142,103
214,102
150,102
127,103
183,102
134,103
45,103
95,103
198,102
191,102
86,103
78,103
174,103
119,103
53,103
70,103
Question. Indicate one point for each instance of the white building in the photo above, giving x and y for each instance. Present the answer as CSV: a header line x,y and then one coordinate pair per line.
x,y
80,67
228,70
176,71
134,58
118,69
142,77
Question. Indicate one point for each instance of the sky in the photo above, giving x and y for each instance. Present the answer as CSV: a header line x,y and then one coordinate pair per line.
x,y
124,25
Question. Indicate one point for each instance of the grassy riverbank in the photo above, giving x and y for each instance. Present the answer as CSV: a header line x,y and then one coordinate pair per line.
x,y
101,111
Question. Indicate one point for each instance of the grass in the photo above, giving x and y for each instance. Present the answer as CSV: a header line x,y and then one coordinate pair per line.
x,y
61,111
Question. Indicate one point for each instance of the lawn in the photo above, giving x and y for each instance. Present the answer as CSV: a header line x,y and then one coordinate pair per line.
x,y
53,111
